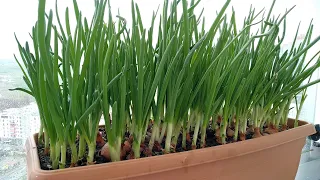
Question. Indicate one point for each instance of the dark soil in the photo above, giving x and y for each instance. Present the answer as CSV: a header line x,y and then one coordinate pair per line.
x,y
210,142
45,162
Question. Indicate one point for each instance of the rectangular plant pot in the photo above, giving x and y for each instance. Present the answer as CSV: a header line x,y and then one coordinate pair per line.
x,y
274,156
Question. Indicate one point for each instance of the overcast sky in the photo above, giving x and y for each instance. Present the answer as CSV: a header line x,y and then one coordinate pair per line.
x,y
20,15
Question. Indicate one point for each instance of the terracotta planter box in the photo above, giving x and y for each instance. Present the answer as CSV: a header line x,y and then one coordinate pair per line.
x,y
269,157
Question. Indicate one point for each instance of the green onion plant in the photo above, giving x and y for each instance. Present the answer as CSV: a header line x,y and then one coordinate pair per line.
x,y
160,91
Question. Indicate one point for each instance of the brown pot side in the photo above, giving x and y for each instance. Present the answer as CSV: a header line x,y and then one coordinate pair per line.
x,y
269,157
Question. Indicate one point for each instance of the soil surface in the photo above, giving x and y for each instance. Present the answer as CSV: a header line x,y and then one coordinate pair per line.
x,y
45,162
211,141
